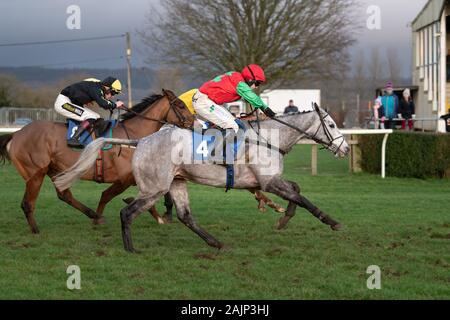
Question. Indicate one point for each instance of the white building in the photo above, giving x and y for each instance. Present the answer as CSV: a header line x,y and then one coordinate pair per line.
x,y
431,45
278,100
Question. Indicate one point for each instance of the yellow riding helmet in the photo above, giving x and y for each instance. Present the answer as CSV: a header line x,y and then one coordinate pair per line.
x,y
114,84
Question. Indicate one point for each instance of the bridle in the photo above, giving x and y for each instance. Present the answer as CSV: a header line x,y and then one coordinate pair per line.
x,y
177,112
326,144
330,138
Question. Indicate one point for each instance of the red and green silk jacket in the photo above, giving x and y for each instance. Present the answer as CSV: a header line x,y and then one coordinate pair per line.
x,y
231,87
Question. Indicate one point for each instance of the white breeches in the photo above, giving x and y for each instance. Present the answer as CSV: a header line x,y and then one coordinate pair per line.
x,y
65,107
209,111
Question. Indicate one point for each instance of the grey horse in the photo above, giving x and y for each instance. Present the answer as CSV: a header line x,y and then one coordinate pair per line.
x,y
163,163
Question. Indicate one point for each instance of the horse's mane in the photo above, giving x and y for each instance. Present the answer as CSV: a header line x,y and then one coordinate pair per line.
x,y
142,106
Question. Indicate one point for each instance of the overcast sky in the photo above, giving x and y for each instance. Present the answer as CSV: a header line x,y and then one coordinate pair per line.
x,y
44,20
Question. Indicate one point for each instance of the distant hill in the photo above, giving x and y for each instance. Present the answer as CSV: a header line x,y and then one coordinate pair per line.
x,y
142,78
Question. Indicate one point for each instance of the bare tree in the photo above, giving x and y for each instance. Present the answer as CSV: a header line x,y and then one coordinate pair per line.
x,y
375,67
168,78
394,65
20,94
7,85
360,74
292,39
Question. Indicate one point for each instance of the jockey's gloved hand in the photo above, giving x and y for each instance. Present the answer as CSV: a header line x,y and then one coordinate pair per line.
x,y
269,112
120,104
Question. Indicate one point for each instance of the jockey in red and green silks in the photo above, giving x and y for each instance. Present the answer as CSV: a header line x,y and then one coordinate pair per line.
x,y
208,101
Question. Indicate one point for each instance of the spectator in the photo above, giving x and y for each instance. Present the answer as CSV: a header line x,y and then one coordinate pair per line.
x,y
378,114
391,106
407,110
447,120
235,111
448,66
291,108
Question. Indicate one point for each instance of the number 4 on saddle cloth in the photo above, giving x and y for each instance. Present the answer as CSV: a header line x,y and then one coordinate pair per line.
x,y
87,136
218,147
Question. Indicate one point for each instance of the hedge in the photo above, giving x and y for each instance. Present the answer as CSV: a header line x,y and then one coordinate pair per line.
x,y
409,154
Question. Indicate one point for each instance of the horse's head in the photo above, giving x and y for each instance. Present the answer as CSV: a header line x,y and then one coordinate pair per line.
x,y
328,134
179,114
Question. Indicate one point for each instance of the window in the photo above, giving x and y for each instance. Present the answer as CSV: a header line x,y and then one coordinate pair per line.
x,y
431,62
417,49
428,60
425,62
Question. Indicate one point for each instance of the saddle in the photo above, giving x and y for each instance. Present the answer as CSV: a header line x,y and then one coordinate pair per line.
x,y
209,147
102,129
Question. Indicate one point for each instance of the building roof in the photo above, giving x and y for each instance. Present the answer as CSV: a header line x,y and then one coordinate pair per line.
x,y
431,12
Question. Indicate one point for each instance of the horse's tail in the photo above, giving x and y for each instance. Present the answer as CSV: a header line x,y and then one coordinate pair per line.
x,y
65,180
4,155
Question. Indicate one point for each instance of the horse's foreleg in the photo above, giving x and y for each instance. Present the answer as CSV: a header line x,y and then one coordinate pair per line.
x,y
319,214
179,194
259,198
68,198
33,187
290,191
263,200
292,207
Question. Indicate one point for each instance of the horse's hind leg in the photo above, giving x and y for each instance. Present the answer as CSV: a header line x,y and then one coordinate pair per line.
x,y
168,203
180,196
33,187
152,211
130,212
290,191
113,191
68,198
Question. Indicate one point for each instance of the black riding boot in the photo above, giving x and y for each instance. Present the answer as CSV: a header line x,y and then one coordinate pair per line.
x,y
100,127
74,142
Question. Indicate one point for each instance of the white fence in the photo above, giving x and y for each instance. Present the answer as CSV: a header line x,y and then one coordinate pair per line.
x,y
354,157
10,117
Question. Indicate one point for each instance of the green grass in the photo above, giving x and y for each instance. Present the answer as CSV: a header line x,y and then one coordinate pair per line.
x,y
401,225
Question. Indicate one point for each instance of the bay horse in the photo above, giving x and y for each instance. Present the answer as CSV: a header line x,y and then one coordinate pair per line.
x,y
162,163
40,149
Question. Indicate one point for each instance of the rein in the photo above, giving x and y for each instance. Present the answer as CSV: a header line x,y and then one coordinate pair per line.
x,y
328,144
163,122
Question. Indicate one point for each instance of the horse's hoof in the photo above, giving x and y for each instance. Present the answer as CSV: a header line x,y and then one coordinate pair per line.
x,y
280,226
99,222
262,210
280,210
282,223
336,227
224,248
128,200
167,219
161,221
133,250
